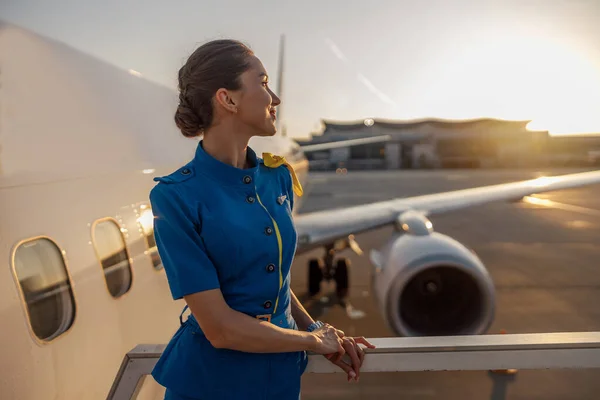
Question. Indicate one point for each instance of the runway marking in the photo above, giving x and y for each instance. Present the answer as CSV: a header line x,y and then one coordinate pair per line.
x,y
561,206
354,313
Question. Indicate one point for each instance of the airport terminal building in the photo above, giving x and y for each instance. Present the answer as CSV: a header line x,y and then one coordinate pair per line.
x,y
435,143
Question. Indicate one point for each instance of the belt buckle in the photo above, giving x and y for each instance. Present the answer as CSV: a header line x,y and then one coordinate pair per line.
x,y
264,317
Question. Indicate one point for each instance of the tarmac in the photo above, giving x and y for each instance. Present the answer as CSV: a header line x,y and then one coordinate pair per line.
x,y
544,259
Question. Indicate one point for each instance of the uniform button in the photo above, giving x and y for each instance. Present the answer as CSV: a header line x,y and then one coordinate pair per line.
x,y
185,171
247,179
250,199
268,230
267,304
270,267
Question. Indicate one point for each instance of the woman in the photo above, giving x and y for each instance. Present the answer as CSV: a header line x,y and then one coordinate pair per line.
x,y
225,234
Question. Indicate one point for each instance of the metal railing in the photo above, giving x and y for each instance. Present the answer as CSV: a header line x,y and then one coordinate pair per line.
x,y
501,353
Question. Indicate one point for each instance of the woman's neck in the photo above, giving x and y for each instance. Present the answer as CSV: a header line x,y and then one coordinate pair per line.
x,y
227,147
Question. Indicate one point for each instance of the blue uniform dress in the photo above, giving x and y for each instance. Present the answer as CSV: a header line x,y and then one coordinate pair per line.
x,y
217,226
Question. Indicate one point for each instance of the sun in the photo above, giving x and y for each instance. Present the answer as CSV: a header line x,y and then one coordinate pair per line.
x,y
519,77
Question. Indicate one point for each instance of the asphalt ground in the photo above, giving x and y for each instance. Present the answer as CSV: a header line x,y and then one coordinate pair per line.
x,y
544,260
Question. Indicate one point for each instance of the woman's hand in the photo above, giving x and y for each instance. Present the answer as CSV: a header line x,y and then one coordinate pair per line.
x,y
328,341
354,351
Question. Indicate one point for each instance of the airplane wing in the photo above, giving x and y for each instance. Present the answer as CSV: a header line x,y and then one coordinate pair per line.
x,y
344,143
323,227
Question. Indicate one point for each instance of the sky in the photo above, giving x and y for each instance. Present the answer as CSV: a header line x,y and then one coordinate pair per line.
x,y
348,60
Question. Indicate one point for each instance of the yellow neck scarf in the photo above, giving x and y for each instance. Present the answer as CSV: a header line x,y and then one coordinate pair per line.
x,y
273,161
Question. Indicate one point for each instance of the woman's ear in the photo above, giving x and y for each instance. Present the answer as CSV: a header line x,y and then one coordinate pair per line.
x,y
225,99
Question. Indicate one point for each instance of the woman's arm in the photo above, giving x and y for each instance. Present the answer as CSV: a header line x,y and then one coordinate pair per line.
x,y
230,329
299,313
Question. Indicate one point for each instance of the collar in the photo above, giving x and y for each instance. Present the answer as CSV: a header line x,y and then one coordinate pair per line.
x,y
226,173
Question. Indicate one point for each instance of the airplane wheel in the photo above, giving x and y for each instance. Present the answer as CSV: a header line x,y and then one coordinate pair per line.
x,y
342,277
315,275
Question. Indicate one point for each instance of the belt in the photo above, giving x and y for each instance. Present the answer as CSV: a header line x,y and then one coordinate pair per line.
x,y
283,320
280,320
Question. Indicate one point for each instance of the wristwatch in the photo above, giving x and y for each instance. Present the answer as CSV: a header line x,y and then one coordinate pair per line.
x,y
314,326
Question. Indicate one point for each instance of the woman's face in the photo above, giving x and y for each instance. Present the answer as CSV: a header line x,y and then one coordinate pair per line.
x,y
255,101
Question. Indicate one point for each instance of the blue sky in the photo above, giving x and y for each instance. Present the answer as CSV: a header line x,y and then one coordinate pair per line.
x,y
347,60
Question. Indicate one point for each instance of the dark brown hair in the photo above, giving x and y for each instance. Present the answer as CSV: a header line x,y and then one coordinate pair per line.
x,y
214,65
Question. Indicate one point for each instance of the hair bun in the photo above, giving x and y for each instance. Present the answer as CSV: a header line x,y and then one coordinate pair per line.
x,y
187,120
214,65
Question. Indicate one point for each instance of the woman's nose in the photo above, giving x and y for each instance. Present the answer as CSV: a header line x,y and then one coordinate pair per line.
x,y
275,100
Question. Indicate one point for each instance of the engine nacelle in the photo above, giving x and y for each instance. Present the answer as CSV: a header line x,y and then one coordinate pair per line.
x,y
428,284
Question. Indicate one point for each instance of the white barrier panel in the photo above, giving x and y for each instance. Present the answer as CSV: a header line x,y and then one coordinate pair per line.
x,y
445,353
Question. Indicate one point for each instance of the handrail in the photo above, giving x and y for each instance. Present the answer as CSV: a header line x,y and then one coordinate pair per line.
x,y
444,353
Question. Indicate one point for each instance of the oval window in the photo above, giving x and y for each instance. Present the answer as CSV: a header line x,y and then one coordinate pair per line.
x,y
112,253
146,223
45,286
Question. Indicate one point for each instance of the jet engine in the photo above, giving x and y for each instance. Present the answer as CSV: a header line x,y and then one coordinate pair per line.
x,y
428,284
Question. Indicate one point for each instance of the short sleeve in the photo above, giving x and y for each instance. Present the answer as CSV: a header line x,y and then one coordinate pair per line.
x,y
181,249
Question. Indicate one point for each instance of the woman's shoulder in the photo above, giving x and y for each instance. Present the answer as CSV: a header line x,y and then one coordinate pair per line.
x,y
180,175
177,187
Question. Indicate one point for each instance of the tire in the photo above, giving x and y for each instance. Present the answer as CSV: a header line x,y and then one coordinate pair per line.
x,y
315,275
342,277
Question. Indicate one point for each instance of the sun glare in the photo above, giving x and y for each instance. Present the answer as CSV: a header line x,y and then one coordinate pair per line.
x,y
520,77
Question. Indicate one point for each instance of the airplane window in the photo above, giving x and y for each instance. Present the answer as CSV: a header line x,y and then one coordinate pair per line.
x,y
112,253
45,286
146,222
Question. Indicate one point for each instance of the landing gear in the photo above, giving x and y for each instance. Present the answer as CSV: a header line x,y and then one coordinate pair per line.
x,y
342,278
328,268
315,276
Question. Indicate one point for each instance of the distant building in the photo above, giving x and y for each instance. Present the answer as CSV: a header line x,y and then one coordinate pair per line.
x,y
572,150
435,143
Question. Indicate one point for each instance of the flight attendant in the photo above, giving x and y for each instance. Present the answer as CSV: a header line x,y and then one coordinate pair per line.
x,y
224,230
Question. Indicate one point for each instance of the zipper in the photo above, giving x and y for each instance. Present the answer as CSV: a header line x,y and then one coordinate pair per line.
x,y
280,246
